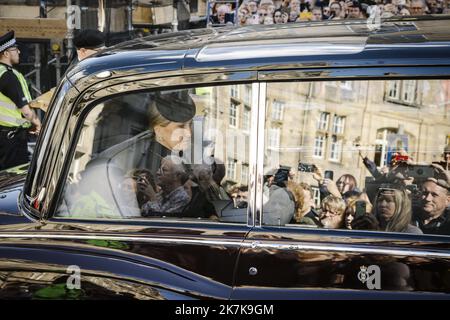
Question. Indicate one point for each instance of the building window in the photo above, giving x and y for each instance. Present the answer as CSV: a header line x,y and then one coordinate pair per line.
x,y
248,94
316,196
277,110
381,146
322,124
244,174
319,144
246,119
409,91
346,85
231,169
338,124
233,114
335,150
393,89
234,91
274,138
402,91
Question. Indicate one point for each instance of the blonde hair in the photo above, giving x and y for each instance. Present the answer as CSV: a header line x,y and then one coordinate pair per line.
x,y
297,191
402,214
335,203
351,204
155,118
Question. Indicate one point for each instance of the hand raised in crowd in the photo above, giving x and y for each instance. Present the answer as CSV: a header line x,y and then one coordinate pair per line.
x,y
331,186
318,174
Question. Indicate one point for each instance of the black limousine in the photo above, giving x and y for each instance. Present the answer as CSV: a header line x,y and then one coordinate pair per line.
x,y
263,162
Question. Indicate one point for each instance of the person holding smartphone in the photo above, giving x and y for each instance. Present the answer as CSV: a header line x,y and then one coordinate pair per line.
x,y
392,212
343,188
357,206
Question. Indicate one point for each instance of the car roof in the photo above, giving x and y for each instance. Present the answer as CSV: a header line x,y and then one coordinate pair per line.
x,y
395,42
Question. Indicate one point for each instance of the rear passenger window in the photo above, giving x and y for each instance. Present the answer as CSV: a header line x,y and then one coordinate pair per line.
x,y
367,155
180,154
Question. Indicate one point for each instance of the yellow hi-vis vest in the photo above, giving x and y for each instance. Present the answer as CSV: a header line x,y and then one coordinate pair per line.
x,y
10,115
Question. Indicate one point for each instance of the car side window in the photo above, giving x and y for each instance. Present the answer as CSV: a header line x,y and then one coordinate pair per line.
x,y
367,155
178,154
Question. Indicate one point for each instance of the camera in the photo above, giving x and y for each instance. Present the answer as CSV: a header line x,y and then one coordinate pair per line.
x,y
328,174
281,176
420,172
303,167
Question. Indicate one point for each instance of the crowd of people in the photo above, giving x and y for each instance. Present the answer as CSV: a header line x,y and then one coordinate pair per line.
x,y
286,11
404,197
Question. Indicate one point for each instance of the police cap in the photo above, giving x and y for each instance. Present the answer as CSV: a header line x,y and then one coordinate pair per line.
x,y
7,41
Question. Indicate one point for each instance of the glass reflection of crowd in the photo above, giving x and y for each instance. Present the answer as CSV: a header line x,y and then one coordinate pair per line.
x,y
402,197
287,11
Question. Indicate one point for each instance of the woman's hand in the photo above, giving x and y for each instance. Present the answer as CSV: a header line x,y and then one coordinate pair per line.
x,y
317,174
365,222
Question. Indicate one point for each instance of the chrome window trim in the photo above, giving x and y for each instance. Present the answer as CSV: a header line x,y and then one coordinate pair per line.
x,y
356,73
255,245
253,159
260,155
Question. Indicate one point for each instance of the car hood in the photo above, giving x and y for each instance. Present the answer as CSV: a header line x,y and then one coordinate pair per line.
x,y
11,185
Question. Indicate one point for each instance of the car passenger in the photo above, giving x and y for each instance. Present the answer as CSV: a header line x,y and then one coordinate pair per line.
x,y
203,175
143,184
173,197
170,118
203,191
332,216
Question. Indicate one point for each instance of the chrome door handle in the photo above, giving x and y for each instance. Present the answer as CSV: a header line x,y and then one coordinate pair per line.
x,y
253,271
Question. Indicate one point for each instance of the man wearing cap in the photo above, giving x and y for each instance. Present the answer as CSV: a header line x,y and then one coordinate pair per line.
x,y
88,42
433,216
16,116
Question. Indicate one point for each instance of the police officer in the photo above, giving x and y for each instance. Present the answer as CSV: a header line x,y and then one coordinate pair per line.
x,y
16,116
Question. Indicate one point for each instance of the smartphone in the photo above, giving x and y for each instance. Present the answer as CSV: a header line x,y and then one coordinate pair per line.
x,y
360,208
328,174
304,167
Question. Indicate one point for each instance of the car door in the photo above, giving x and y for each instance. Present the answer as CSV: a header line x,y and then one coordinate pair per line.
x,y
180,239
332,124
91,260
